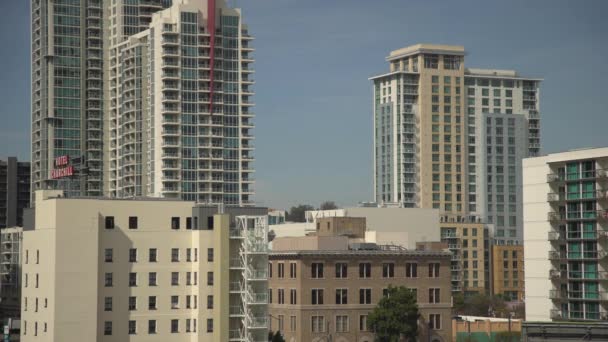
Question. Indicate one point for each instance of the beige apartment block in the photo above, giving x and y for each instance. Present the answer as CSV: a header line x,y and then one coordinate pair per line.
x,y
470,269
508,272
142,270
324,292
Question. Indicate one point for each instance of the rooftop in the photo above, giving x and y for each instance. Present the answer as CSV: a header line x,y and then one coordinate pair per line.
x,y
426,48
368,253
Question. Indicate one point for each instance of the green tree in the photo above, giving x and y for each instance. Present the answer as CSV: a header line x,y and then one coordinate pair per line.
x,y
276,337
395,316
328,205
297,214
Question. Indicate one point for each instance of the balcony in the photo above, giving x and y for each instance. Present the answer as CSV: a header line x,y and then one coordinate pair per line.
x,y
557,315
258,298
257,322
576,176
557,275
555,236
577,196
556,255
600,215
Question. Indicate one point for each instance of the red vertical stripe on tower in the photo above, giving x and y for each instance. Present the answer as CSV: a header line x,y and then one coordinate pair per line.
x,y
211,29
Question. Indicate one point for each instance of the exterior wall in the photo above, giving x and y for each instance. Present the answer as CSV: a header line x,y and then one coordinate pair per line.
x,y
400,226
66,92
65,270
508,272
303,284
310,243
470,268
10,272
14,191
461,330
212,161
353,227
564,216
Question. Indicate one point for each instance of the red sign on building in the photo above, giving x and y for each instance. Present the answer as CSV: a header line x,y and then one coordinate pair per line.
x,y
63,168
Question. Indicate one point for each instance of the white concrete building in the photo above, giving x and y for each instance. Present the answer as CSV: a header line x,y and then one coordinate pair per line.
x,y
182,123
565,235
142,270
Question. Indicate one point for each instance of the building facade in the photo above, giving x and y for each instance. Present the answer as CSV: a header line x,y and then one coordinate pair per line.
x,y
67,60
153,97
323,286
452,138
565,235
14,191
10,273
509,283
184,119
135,270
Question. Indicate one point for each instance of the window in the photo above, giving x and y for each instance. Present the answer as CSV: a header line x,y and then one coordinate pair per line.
x,y
152,326
317,324
109,222
188,222
281,320
152,279
152,303
341,296
152,255
281,270
363,323
292,297
210,302
292,323
341,270
435,321
209,278
269,296
108,280
317,270
132,222
209,325
388,270
317,296
107,328
210,254
174,302
132,303
132,328
341,323
175,223
365,296
107,304
411,270
174,278
132,254
434,296
292,270
109,255
174,254
269,270
431,61
132,279
434,269
189,254
281,296
365,270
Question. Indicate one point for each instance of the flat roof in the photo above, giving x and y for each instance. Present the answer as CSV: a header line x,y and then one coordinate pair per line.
x,y
368,253
426,48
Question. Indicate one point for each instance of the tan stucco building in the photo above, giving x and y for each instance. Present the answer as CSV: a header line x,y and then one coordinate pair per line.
x,y
324,285
143,270
508,275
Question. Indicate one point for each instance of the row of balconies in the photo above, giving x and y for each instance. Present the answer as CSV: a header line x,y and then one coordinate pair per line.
x,y
593,235
578,295
599,215
577,196
578,315
578,275
578,255
578,176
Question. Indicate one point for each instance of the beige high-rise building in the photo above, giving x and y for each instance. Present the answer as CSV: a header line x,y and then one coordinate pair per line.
x,y
143,270
323,286
453,138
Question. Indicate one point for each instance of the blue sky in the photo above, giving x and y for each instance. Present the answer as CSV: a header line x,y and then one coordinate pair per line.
x,y
313,58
